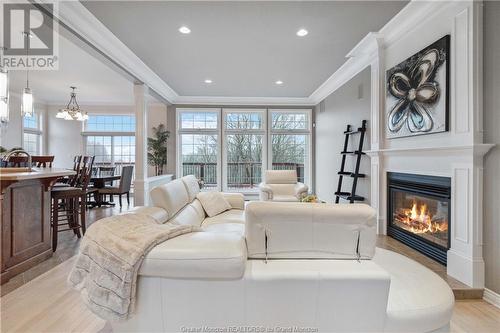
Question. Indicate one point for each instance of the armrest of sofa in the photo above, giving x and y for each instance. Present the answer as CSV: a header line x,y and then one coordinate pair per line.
x,y
236,200
300,190
266,192
296,230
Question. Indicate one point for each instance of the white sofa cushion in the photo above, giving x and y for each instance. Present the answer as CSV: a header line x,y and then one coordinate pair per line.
x,y
171,197
419,300
192,213
280,177
214,203
198,255
192,186
229,216
309,230
160,215
238,228
236,200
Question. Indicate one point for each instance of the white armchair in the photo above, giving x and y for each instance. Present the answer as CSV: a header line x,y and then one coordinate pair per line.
x,y
281,185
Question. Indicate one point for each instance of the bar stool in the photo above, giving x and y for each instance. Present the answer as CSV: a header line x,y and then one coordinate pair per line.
x,y
69,203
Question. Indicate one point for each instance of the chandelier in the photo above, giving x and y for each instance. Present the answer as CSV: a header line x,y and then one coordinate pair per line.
x,y
72,110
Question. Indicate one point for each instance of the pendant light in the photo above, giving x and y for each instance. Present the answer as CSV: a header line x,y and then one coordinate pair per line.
x,y
4,92
72,110
27,102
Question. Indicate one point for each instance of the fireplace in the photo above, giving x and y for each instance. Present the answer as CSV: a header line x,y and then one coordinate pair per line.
x,y
419,212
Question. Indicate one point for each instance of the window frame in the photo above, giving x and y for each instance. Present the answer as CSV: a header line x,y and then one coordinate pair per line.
x,y
262,131
112,134
38,131
201,131
307,131
266,131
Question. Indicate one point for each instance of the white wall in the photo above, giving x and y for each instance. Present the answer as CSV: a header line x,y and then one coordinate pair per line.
x,y
11,134
65,139
348,105
492,135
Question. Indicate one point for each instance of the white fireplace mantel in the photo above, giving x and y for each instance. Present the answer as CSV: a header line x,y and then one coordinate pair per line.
x,y
476,149
457,153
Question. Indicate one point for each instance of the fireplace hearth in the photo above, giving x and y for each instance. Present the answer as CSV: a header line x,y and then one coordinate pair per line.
x,y
419,212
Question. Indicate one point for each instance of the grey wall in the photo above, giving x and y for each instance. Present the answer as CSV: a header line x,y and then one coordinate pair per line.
x,y
348,105
491,230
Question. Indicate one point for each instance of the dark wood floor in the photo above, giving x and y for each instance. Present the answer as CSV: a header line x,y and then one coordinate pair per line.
x,y
67,247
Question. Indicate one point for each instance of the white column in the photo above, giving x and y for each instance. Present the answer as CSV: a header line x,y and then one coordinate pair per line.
x,y
377,178
141,190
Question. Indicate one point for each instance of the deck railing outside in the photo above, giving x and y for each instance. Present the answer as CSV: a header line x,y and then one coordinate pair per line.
x,y
240,175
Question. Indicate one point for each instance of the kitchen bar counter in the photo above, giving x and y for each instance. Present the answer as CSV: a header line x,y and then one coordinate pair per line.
x,y
25,217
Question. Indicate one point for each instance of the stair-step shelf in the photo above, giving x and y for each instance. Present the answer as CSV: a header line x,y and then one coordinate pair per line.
x,y
351,196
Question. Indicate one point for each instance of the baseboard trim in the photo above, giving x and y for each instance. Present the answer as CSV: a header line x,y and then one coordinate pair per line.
x,y
491,297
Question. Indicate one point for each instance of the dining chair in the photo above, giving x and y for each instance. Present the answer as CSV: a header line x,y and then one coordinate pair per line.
x,y
123,187
18,161
42,161
107,171
69,203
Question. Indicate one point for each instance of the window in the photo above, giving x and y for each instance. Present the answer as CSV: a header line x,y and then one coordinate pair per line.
x,y
290,142
110,123
244,132
32,134
111,139
199,145
251,140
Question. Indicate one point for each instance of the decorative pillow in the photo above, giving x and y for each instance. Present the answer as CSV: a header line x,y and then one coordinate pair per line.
x,y
214,203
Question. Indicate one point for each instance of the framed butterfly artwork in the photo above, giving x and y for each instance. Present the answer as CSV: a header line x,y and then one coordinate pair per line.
x,y
417,92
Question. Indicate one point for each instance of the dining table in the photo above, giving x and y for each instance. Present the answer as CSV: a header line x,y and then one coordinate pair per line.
x,y
99,181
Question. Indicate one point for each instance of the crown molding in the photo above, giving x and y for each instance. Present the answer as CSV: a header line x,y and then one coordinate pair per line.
x,y
223,100
78,18
74,15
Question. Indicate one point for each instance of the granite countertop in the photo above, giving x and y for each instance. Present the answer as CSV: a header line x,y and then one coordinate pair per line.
x,y
35,173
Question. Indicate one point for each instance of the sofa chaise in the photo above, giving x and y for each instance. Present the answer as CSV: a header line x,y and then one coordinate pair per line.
x,y
277,266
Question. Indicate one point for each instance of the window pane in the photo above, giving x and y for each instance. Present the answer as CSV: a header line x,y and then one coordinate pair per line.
x,y
244,120
199,157
244,161
31,122
110,123
290,120
198,120
124,150
290,152
100,147
31,143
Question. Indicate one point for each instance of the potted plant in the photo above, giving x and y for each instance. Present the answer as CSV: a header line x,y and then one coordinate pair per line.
x,y
157,148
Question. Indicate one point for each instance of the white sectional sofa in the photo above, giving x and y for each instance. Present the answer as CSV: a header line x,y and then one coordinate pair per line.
x,y
269,266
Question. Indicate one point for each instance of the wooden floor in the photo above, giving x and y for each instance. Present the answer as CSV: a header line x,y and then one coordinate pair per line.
x,y
47,304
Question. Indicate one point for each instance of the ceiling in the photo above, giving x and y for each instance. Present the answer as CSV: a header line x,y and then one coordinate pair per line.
x,y
96,82
244,47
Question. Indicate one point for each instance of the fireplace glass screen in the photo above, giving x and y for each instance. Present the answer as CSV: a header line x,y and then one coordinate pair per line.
x,y
423,216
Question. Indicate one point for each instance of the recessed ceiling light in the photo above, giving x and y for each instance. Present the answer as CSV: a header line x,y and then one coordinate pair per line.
x,y
208,81
184,30
279,82
302,32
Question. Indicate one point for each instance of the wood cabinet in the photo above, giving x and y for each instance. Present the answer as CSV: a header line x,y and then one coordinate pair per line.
x,y
25,227
25,238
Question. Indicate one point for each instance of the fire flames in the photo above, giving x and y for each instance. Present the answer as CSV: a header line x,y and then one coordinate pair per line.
x,y
419,221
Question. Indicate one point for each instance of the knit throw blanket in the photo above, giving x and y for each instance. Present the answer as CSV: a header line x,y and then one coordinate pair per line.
x,y
111,254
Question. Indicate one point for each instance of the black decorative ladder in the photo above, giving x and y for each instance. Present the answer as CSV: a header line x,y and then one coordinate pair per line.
x,y
351,196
